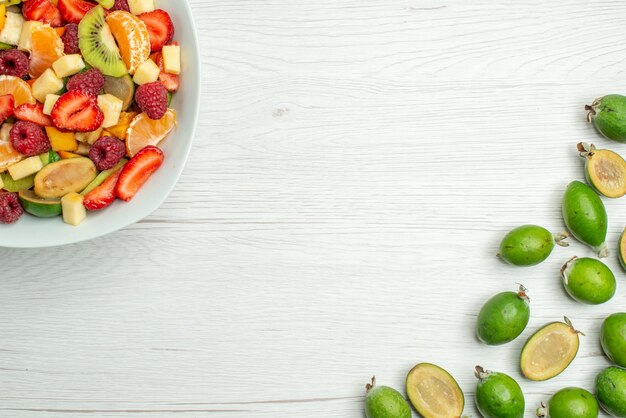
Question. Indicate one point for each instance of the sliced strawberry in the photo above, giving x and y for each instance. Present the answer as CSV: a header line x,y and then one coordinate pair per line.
x,y
77,111
74,10
42,11
160,28
33,113
7,105
103,195
137,171
170,81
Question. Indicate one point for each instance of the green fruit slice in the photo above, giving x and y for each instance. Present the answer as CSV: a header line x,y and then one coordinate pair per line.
x,y
58,179
498,395
385,402
528,245
43,208
121,87
14,186
570,403
549,351
608,115
97,44
613,338
585,216
611,390
503,317
605,170
100,178
588,280
433,392
107,4
4,46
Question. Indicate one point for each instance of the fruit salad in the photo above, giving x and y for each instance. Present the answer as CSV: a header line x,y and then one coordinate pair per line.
x,y
85,92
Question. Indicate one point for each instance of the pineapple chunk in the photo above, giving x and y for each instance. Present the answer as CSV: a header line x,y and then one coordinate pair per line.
x,y
25,167
12,30
74,211
68,65
4,132
89,137
146,73
83,149
140,6
25,40
61,141
111,106
51,99
171,59
47,83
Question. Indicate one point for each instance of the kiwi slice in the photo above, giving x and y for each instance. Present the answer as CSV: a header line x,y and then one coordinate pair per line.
x,y
4,46
121,87
98,45
107,4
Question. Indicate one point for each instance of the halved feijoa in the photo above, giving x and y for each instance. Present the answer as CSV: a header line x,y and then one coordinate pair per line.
x,y
43,208
503,317
611,390
549,351
58,179
570,402
605,170
608,115
585,216
621,250
588,280
433,392
121,87
385,402
613,338
97,44
498,395
528,245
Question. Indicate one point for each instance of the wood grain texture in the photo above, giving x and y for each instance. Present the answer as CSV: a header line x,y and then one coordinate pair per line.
x,y
355,167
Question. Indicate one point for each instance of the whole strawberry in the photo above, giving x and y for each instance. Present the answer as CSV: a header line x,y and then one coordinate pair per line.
x,y
152,99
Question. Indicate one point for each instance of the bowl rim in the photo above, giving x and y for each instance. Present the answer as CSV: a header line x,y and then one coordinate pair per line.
x,y
132,219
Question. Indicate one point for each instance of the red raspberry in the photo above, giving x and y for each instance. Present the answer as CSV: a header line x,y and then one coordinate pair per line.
x,y
10,208
152,99
70,39
90,82
121,5
29,139
106,152
14,62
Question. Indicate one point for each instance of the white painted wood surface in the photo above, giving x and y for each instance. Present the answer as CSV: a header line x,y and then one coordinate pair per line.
x,y
355,167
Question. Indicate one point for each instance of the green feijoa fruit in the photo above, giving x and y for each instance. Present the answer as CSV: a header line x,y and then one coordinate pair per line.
x,y
385,402
528,245
608,115
503,317
498,395
549,351
611,390
588,280
613,338
570,403
433,392
585,216
605,170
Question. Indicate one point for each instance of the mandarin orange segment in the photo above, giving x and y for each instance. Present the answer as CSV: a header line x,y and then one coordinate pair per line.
x,y
19,88
47,47
8,154
144,131
132,38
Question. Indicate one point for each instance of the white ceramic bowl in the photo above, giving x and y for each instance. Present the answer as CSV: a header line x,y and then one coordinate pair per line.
x,y
32,232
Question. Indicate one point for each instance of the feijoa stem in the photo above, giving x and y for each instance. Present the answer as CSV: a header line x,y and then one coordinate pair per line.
x,y
566,265
481,373
586,150
569,324
542,411
603,251
560,238
521,292
370,385
591,110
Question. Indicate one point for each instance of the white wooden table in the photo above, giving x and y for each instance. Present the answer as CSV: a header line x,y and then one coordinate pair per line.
x,y
356,164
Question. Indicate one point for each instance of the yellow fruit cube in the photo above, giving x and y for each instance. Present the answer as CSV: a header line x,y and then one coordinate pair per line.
x,y
12,30
83,149
121,128
61,141
111,106
68,65
25,168
74,211
3,15
51,99
146,73
89,137
47,83
66,155
4,132
140,6
171,59
25,42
